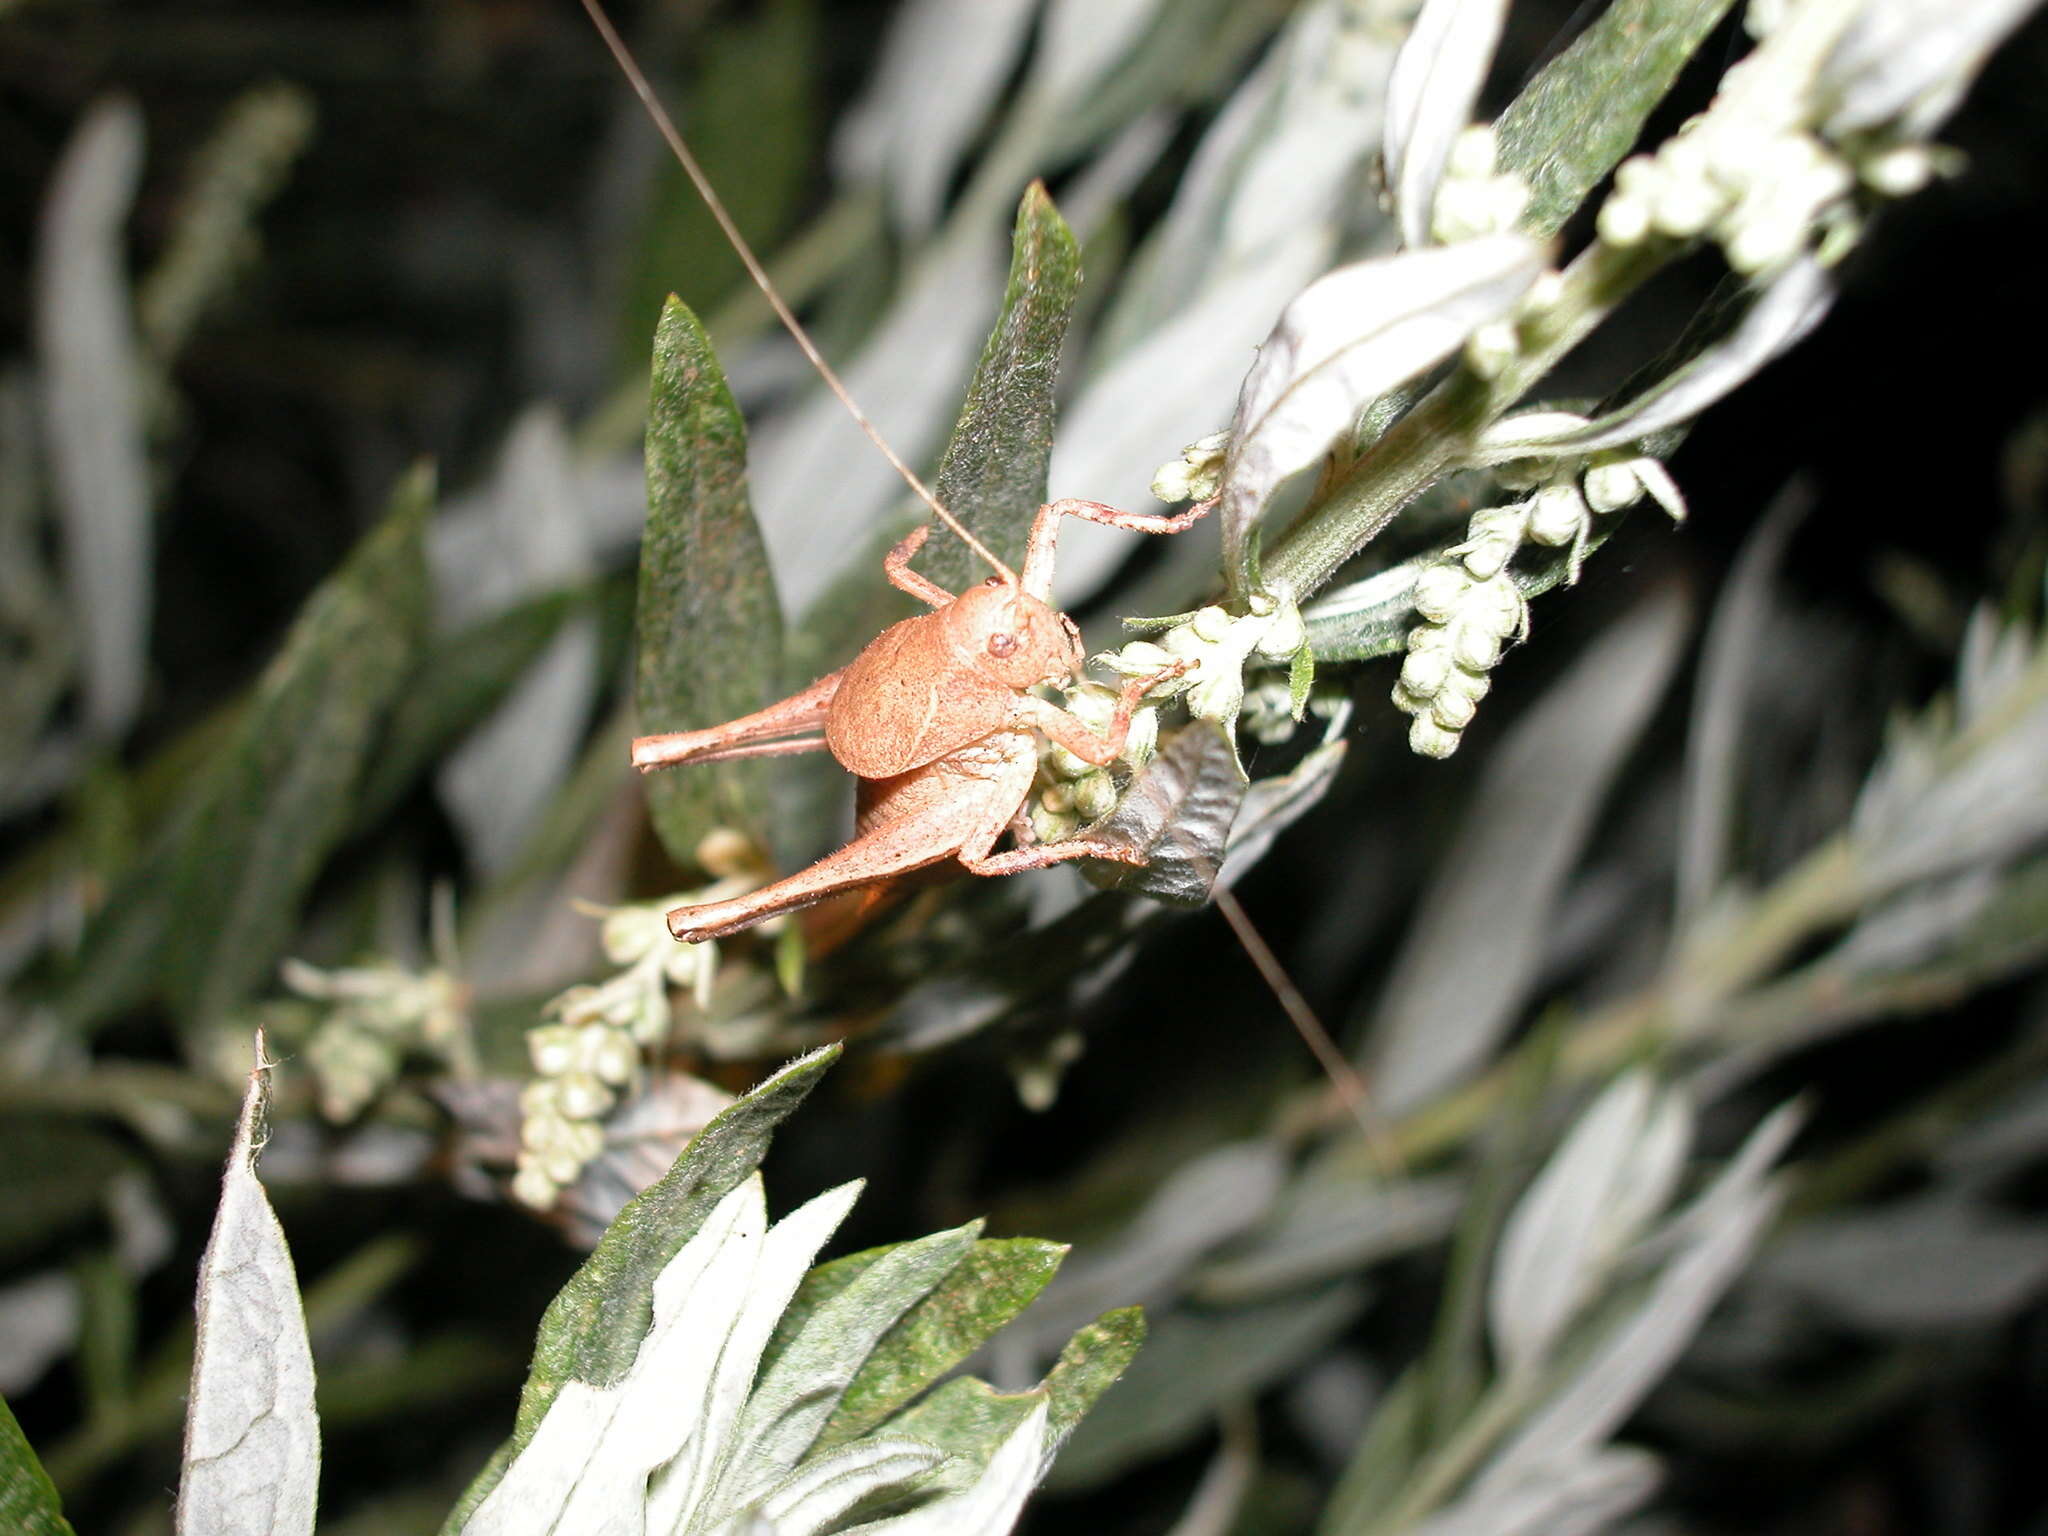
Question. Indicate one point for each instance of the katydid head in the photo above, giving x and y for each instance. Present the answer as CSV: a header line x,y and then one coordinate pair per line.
x,y
1011,637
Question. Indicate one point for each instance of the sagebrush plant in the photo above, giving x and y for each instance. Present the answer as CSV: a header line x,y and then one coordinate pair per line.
x,y
1408,468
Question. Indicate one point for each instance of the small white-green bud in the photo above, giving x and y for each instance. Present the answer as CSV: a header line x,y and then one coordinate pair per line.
x,y
628,934
1474,648
1428,739
1623,221
1557,516
1142,740
1058,798
1052,826
1472,153
1610,487
551,1048
560,1164
532,1187
1217,698
1212,625
582,1096
1899,171
1423,672
1453,711
1094,795
1285,635
615,1059
1439,590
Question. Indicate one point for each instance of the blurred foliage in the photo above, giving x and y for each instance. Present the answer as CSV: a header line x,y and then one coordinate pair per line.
x,y
1758,813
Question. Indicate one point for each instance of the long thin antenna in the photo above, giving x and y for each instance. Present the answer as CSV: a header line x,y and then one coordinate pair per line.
x,y
759,274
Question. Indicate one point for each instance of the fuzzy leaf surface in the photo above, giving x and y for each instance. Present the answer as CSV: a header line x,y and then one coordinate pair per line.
x,y
1432,94
709,625
1348,338
800,1389
1584,111
991,1283
1178,812
993,474
252,1437
28,1499
592,1331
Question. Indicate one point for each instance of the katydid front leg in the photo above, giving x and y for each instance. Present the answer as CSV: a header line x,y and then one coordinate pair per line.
x,y
1039,552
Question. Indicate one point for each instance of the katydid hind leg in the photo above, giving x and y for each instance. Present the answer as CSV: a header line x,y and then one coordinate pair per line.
x,y
761,734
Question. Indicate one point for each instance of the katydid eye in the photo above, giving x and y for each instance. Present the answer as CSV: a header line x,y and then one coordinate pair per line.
x,y
993,581
1000,646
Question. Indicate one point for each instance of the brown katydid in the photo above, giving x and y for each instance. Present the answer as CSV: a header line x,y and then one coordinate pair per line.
x,y
935,717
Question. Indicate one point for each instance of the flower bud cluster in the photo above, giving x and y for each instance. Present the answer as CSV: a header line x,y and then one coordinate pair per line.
x,y
596,1048
1474,198
380,1012
1468,619
1073,792
1197,475
1219,645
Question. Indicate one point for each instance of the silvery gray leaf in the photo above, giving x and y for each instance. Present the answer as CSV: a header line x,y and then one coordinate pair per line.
x,y
1909,61
1716,1233
942,66
1937,1263
1464,969
1593,1198
1730,656
38,1327
990,1505
1791,303
1431,99
1330,1222
1920,924
1080,41
823,1490
792,1401
679,1493
1576,1498
588,1462
1994,657
2014,1132
1347,339
1924,813
499,781
252,1435
92,407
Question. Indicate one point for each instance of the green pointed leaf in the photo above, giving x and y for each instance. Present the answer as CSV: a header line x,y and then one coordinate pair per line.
x,y
993,474
971,1419
460,680
710,627
1095,1357
998,1278
593,1328
1585,110
1198,1360
28,1499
